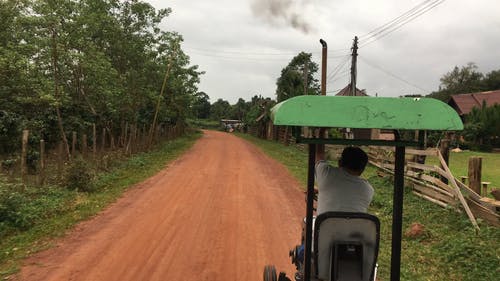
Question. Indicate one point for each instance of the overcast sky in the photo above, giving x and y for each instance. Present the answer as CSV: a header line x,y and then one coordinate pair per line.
x,y
242,45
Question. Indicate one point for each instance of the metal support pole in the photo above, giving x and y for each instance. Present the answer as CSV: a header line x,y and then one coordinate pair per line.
x,y
309,212
324,57
397,213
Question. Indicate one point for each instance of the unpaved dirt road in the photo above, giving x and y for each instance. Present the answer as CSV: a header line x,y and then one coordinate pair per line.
x,y
220,212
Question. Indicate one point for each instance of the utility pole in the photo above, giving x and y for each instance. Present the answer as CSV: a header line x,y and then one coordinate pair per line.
x,y
353,65
306,70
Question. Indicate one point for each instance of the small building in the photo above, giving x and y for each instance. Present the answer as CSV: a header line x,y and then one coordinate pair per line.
x,y
347,92
464,103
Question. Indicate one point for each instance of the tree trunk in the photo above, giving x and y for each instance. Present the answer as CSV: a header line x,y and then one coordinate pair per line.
x,y
57,94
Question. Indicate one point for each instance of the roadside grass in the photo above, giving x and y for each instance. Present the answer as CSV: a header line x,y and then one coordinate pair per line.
x,y
448,249
459,162
45,213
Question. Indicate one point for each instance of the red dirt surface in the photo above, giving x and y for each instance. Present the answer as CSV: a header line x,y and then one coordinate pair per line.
x,y
222,211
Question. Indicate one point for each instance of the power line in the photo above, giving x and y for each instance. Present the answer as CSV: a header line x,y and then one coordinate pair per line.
x,y
393,21
237,52
393,75
335,71
400,21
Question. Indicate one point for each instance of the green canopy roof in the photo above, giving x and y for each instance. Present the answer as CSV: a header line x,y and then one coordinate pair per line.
x,y
366,112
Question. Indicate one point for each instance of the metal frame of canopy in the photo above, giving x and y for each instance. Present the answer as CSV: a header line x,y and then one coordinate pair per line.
x,y
369,113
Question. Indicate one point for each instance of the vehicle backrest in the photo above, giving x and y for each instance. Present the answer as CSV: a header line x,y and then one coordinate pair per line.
x,y
336,231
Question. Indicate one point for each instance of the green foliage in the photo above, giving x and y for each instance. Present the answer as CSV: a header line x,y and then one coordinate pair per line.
x,y
66,64
466,80
21,209
220,109
204,124
293,77
482,127
201,106
80,176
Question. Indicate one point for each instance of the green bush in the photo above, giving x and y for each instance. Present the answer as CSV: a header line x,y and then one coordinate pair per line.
x,y
80,176
22,209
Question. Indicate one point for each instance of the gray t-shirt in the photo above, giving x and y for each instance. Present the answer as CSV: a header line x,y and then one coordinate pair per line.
x,y
339,191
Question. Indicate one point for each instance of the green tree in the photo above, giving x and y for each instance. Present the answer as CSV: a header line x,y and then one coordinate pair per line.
x,y
482,127
292,81
201,105
491,81
239,109
459,81
65,64
221,109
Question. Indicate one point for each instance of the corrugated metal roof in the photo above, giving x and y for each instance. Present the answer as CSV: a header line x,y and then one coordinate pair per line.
x,y
463,103
347,92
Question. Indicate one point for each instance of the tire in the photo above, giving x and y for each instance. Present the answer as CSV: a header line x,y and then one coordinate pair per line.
x,y
270,273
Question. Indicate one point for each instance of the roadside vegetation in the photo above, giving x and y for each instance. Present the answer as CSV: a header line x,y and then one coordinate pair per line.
x,y
448,247
30,217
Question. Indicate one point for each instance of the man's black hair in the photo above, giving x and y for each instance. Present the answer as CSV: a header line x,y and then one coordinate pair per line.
x,y
354,158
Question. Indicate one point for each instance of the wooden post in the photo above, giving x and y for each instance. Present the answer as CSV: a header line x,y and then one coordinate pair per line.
x,y
103,140
41,173
485,188
73,144
60,160
24,153
463,179
458,192
112,141
84,145
475,163
444,148
94,142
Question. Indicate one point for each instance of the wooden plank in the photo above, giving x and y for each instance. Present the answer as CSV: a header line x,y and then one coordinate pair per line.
x,y
427,152
437,189
459,194
491,201
484,213
388,165
422,167
438,182
472,194
434,194
443,173
444,205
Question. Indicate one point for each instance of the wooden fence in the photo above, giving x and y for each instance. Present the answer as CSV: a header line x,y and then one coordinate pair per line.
x,y
437,184
93,147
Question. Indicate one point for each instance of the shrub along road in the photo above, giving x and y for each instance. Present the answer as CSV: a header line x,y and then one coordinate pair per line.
x,y
221,211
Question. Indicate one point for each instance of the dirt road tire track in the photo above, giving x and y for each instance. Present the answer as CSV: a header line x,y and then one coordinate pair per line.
x,y
220,212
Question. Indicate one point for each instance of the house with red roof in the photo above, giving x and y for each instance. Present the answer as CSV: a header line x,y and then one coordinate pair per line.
x,y
464,103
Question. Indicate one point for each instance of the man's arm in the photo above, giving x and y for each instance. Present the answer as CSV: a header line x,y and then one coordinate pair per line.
x,y
320,152
320,148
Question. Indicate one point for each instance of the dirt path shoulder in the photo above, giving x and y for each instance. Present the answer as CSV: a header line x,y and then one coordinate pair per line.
x,y
220,212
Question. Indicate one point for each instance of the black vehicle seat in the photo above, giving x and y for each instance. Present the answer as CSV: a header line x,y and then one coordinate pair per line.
x,y
346,246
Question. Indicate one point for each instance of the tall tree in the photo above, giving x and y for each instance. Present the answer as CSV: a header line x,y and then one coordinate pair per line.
x,y
459,81
201,105
221,109
491,81
295,75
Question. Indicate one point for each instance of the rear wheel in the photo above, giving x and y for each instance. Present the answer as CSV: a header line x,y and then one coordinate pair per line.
x,y
270,273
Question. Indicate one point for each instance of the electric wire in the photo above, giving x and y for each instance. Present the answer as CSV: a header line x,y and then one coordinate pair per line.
x,y
379,34
392,75
393,21
335,71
